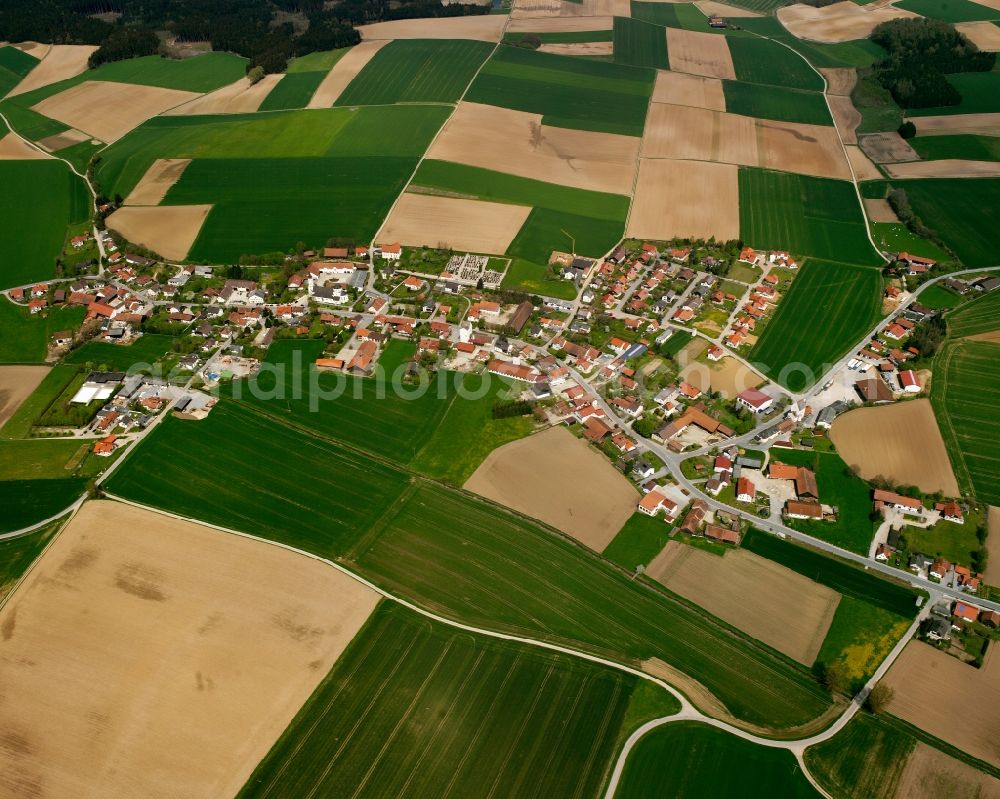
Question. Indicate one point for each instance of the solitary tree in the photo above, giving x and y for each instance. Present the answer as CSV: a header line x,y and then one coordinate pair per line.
x,y
835,678
880,697
256,75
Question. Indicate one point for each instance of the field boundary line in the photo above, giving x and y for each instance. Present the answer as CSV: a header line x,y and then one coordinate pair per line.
x,y
17,584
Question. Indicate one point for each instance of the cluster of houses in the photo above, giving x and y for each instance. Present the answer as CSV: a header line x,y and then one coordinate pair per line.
x,y
956,616
883,361
763,296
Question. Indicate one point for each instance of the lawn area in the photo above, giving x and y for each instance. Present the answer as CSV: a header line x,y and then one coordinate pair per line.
x,y
688,760
775,102
38,201
828,308
977,148
417,70
24,338
950,10
963,393
639,43
535,278
763,61
17,554
418,708
27,502
897,237
265,478
638,542
142,354
841,576
937,297
568,92
466,559
863,761
954,542
47,459
982,315
804,215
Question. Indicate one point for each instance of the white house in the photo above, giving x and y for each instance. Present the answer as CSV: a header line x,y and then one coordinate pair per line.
x,y
754,400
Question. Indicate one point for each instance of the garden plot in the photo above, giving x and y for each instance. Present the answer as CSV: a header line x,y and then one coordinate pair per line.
x,y
699,53
169,230
155,184
62,61
840,22
343,72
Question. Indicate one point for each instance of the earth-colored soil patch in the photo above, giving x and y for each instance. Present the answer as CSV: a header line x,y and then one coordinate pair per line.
x,y
454,224
343,72
710,7
994,4
992,573
945,168
62,61
846,117
240,97
728,376
65,139
556,477
952,700
887,148
557,8
487,28
580,48
190,652
840,22
699,53
900,442
880,211
517,143
169,230
840,81
678,88
711,205
863,167
14,148
931,774
751,593
992,336
806,149
108,110
560,25
16,385
155,184
948,124
37,49
985,35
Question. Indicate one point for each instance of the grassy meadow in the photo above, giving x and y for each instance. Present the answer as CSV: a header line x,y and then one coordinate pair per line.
x,y
897,237
977,148
776,102
763,61
302,78
982,315
640,44
24,337
860,636
638,542
148,349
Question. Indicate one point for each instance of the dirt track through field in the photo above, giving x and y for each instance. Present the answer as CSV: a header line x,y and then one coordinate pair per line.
x,y
241,97
579,49
343,72
108,110
190,651
61,61
677,88
985,35
992,574
945,168
900,442
169,230
154,185
485,27
728,376
751,593
695,199
840,22
558,478
950,124
449,223
16,385
517,143
699,53
931,774
949,699
14,148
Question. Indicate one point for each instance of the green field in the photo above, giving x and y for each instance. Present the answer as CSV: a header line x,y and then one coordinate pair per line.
x,y
863,761
535,278
937,297
28,502
758,5
963,393
763,61
856,53
416,708
17,554
24,338
897,237
775,102
14,65
38,201
960,212
417,71
320,61
841,576
977,148
117,358
639,43
982,315
571,93
47,459
843,301
980,95
950,10
804,215
560,37
638,542
547,229
688,760
859,638
295,90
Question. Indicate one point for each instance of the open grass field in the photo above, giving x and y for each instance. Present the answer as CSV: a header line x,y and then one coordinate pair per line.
x,y
17,554
24,338
687,760
14,65
763,61
417,70
640,44
292,91
535,278
214,641
115,357
849,580
950,11
202,73
982,315
418,708
980,148
775,102
939,298
844,301
321,498
47,458
570,93
27,502
56,380
896,237
805,215
639,541
546,230
38,201
962,394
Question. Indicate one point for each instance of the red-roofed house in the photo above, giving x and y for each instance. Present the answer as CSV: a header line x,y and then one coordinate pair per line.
x,y
390,252
908,382
746,491
965,612
755,400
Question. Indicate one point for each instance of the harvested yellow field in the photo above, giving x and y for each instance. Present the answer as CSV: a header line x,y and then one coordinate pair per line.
x,y
580,49
840,22
240,97
518,143
930,774
169,230
154,185
14,148
751,593
61,61
108,110
949,124
985,35
992,574
190,651
343,72
454,224
729,376
677,88
486,27
16,385
994,4
880,211
846,117
806,149
945,168
839,81
863,167
699,53
696,199
900,442
949,699
711,7
37,49
581,494
65,139
560,24
567,8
